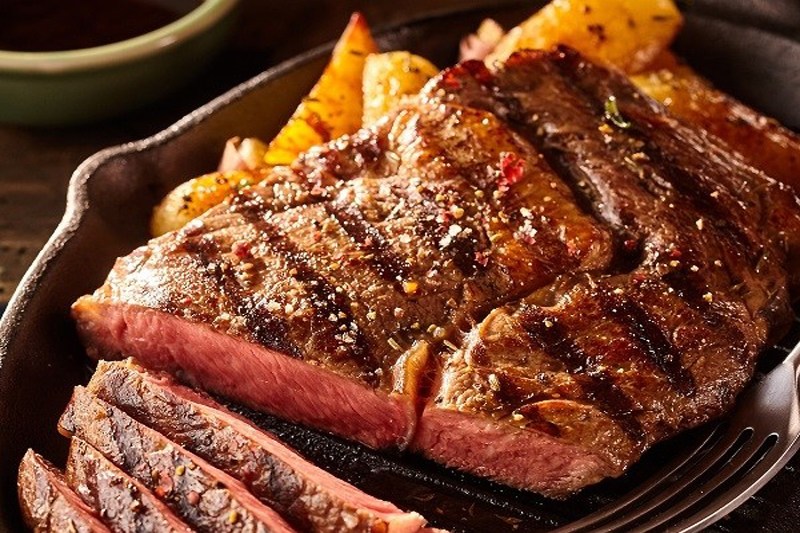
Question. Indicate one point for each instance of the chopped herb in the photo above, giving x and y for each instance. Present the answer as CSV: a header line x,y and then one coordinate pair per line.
x,y
613,115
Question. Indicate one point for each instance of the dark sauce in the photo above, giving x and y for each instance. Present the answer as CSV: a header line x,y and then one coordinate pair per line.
x,y
55,25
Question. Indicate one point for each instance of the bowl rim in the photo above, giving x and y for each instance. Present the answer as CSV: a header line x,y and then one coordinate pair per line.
x,y
196,21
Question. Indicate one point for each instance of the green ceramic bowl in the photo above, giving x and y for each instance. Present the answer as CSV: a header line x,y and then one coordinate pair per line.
x,y
79,86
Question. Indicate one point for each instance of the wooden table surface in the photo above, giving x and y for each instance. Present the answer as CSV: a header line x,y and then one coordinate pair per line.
x,y
36,164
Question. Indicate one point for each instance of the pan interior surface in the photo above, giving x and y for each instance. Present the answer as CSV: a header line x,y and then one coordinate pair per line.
x,y
112,195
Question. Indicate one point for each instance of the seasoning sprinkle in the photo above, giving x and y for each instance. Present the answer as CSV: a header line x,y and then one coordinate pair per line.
x,y
450,345
410,287
394,344
613,115
179,470
233,517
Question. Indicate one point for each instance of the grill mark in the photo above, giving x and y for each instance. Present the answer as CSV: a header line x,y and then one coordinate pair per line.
x,y
322,295
369,239
266,328
597,388
688,289
699,194
697,191
649,337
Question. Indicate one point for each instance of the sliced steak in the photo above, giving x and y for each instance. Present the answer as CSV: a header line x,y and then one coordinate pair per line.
x,y
312,499
204,497
125,504
48,504
337,292
573,382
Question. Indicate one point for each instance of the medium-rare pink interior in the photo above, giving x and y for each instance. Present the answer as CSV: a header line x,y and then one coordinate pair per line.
x,y
309,496
502,260
256,376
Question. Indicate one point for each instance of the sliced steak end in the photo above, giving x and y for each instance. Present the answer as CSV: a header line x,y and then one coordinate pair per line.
x,y
203,496
48,504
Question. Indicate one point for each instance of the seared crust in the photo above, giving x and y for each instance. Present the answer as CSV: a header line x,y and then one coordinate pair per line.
x,y
125,504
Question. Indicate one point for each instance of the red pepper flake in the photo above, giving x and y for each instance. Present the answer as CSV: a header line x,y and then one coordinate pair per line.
x,y
526,237
478,70
241,249
443,216
482,258
165,485
675,254
193,498
451,81
512,168
630,244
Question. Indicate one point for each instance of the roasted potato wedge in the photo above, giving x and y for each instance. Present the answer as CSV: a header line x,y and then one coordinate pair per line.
x,y
763,142
389,78
628,34
196,196
334,106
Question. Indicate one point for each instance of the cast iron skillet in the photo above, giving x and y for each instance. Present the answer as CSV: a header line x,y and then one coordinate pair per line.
x,y
750,48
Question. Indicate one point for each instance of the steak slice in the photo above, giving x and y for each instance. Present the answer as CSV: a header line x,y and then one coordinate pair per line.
x,y
206,498
48,504
572,383
125,504
320,294
311,498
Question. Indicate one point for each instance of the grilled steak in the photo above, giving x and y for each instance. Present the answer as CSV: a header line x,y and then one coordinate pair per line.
x,y
318,297
125,504
48,504
540,257
206,498
309,497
